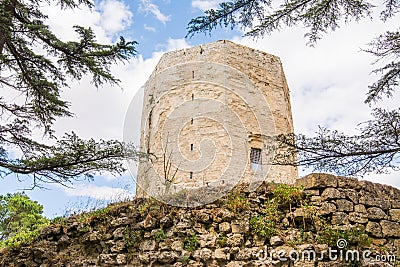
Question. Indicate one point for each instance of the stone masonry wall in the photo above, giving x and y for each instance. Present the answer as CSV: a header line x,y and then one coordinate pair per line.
x,y
229,232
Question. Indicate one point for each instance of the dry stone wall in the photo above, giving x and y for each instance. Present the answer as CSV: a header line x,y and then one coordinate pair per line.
x,y
241,229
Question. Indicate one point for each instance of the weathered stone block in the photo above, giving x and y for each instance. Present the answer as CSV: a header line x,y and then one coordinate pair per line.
x,y
94,236
120,221
326,208
148,245
166,222
148,223
177,245
119,246
118,233
351,195
374,229
224,227
50,230
184,225
203,254
375,213
360,208
339,218
208,240
395,203
221,254
223,215
64,241
240,226
303,247
108,258
358,217
203,217
165,245
167,257
331,193
235,264
394,215
316,200
121,259
283,250
258,241
317,181
348,182
390,229
275,241
344,205
370,200
244,254
234,240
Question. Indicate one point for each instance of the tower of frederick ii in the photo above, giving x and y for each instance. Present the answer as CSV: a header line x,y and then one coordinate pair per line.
x,y
210,114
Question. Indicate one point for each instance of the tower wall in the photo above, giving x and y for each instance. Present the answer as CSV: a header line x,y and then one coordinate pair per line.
x,y
204,109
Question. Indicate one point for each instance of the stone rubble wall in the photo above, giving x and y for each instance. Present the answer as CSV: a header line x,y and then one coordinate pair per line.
x,y
148,233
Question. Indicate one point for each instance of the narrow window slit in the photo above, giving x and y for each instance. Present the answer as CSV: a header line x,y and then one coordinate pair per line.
x,y
255,159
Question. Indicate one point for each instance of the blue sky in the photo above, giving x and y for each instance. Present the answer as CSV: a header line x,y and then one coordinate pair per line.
x,y
328,82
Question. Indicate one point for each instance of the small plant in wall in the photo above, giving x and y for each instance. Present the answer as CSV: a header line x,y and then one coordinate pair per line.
x,y
191,243
237,202
132,238
169,170
287,195
160,235
263,226
184,259
283,197
221,240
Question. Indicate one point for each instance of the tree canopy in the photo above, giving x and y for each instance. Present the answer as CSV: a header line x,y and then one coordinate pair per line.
x,y
20,219
377,147
35,66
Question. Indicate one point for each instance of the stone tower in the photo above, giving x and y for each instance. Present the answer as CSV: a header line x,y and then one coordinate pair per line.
x,y
209,115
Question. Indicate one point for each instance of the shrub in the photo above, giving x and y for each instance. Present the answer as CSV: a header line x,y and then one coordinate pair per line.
x,y
285,195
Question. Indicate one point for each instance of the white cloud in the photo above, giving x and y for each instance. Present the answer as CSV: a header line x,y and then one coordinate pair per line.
x,y
148,7
149,28
109,18
391,178
83,16
99,192
328,82
101,113
176,44
115,16
206,4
